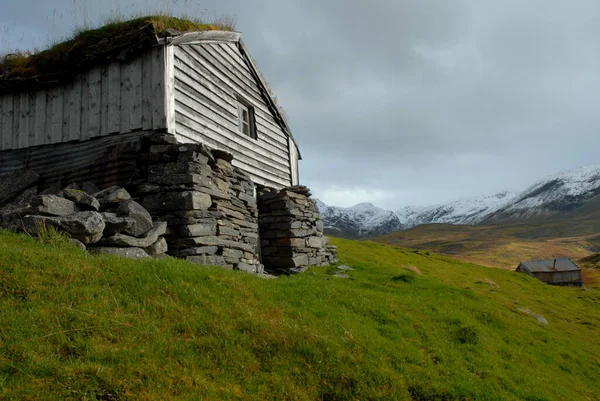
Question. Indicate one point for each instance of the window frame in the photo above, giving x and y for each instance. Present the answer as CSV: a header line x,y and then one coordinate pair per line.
x,y
243,105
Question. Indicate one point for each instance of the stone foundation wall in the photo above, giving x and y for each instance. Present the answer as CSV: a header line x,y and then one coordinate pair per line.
x,y
291,231
209,205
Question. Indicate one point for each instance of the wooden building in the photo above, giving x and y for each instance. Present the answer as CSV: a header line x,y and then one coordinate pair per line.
x,y
201,86
561,271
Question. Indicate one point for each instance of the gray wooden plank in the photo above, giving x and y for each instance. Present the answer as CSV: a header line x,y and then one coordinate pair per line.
x,y
104,106
95,101
159,115
147,91
16,99
49,116
24,115
7,121
1,122
126,97
135,121
66,98
57,114
40,117
32,118
114,98
84,128
170,93
75,110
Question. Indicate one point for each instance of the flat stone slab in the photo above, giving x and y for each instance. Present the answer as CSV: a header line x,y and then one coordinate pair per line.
x,y
186,200
86,227
53,205
131,253
341,275
346,268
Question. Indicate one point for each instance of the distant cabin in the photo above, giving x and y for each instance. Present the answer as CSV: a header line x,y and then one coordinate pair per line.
x,y
84,118
561,271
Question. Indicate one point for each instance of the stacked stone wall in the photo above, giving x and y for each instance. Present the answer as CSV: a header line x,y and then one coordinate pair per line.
x,y
291,231
209,205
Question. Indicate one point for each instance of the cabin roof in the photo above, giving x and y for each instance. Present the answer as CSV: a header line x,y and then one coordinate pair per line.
x,y
121,41
548,266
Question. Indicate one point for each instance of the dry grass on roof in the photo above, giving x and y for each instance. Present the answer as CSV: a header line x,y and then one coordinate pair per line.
x,y
118,40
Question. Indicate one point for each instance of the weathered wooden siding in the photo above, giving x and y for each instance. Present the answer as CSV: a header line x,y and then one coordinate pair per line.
x,y
106,161
109,99
208,80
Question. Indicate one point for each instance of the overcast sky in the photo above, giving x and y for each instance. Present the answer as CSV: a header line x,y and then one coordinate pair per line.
x,y
403,102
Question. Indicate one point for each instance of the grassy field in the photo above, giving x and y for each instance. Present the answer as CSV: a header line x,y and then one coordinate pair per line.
x,y
405,326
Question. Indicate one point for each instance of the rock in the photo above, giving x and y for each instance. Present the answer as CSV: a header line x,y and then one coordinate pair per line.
x,y
84,200
246,267
77,243
26,197
203,250
340,275
187,200
198,230
89,188
345,268
14,184
112,195
133,210
54,189
132,253
115,224
53,205
162,139
207,260
210,241
86,227
158,248
149,238
221,155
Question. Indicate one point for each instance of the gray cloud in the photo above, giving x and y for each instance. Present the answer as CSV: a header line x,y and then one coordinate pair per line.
x,y
411,101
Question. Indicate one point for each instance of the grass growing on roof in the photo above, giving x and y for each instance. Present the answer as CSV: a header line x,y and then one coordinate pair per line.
x,y
405,326
26,64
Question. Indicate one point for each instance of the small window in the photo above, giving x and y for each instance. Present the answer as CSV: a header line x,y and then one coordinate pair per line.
x,y
246,121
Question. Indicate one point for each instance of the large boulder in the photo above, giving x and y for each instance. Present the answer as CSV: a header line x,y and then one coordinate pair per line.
x,y
86,227
53,205
133,210
14,184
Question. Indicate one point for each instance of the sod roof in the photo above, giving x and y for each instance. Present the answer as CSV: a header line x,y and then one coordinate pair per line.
x,y
118,41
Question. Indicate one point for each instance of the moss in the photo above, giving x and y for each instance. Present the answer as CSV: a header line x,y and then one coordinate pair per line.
x,y
113,41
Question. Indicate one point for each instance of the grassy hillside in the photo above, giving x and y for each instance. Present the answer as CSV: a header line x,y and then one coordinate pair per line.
x,y
405,326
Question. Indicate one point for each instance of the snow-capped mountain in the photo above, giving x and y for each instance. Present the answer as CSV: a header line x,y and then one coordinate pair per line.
x,y
462,211
552,196
361,220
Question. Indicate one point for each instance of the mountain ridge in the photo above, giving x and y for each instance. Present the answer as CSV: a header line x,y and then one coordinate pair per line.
x,y
552,196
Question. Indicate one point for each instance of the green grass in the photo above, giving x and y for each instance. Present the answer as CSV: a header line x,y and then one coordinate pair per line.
x,y
88,45
405,326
